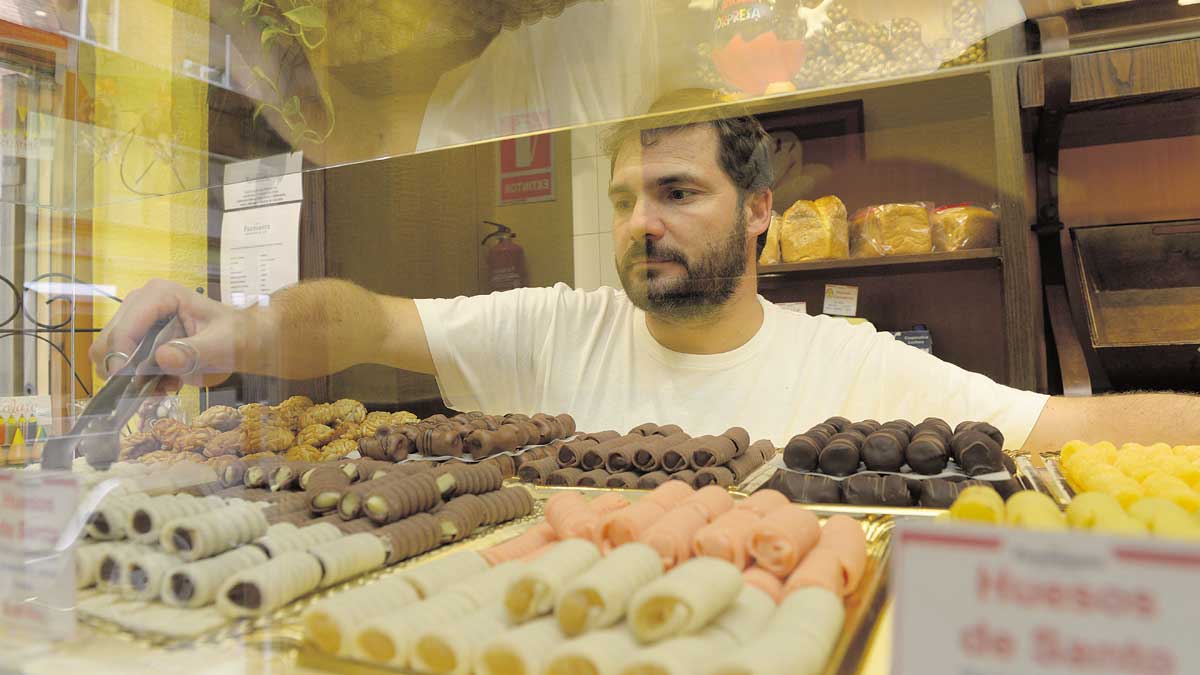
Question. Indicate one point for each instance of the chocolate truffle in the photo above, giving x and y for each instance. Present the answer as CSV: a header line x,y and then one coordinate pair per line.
x,y
865,427
939,493
855,438
903,426
838,423
927,453
870,489
801,453
882,451
976,453
807,488
937,425
839,458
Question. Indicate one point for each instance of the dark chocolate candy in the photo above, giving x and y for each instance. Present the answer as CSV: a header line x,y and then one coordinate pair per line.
x,y
980,455
927,454
839,458
646,429
939,493
901,425
801,453
838,423
565,476
668,430
882,451
865,427
937,425
870,489
821,433
807,488
740,438
856,439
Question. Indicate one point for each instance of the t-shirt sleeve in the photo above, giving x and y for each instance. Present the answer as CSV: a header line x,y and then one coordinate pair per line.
x,y
485,347
891,380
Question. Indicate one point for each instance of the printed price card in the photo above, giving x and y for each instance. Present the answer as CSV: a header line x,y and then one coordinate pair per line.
x,y
974,600
841,300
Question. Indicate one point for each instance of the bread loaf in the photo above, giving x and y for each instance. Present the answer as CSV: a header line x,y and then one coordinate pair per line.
x,y
815,230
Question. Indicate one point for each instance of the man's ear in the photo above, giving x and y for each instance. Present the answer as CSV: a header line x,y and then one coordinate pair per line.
x,y
758,211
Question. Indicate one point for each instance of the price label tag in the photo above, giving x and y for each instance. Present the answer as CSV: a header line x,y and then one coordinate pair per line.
x,y
797,307
976,600
841,300
38,528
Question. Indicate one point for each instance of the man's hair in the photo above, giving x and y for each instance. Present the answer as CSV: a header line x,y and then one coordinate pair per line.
x,y
743,146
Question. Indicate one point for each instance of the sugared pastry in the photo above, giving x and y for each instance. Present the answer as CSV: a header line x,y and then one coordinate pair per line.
x,y
331,623
533,590
780,539
564,477
802,453
348,557
411,536
265,588
871,489
839,457
797,639
884,450
927,453
683,600
623,479
648,453
195,584
598,597
207,534
538,470
651,480
523,649
593,478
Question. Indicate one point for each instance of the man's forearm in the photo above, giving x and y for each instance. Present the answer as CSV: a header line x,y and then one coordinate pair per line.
x,y
1121,418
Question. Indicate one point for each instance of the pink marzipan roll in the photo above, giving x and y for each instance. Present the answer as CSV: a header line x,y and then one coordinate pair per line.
x,y
711,501
672,535
585,523
782,537
607,503
628,524
764,581
523,544
669,494
727,537
562,507
820,567
763,502
845,537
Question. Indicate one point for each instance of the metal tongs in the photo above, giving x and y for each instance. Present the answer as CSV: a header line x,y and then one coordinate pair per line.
x,y
97,433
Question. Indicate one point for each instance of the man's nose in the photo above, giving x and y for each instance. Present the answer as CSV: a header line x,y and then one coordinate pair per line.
x,y
645,221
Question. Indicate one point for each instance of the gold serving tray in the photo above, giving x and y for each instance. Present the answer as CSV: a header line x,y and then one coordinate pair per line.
x,y
863,607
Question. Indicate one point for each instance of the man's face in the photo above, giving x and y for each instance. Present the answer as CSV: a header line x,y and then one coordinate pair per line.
x,y
678,227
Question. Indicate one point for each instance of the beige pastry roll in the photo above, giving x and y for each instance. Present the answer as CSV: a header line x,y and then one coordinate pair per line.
x,y
684,600
207,534
147,519
388,638
599,597
489,586
797,640
435,575
451,649
267,587
113,564
348,557
111,518
331,623
144,574
746,617
195,584
533,592
600,652
683,655
280,541
519,651
87,562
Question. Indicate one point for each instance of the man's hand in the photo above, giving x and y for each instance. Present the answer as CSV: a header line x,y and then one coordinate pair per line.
x,y
213,334
1143,418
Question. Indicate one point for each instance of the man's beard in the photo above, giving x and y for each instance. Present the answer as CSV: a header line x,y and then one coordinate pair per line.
x,y
708,282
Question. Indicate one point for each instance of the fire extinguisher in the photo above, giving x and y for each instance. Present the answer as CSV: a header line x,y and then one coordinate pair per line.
x,y
505,260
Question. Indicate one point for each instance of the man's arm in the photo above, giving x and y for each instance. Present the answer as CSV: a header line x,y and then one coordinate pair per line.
x,y
1120,418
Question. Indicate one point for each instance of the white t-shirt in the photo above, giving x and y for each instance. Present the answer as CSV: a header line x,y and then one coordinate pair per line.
x,y
590,354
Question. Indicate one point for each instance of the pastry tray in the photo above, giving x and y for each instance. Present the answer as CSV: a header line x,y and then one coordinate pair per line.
x,y
863,607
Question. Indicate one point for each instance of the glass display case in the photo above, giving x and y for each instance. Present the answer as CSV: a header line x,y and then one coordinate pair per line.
x,y
1011,186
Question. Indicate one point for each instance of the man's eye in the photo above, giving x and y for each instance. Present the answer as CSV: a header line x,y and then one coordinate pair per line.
x,y
679,195
622,205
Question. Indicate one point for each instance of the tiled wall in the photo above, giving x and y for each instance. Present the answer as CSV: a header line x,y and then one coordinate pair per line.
x,y
592,213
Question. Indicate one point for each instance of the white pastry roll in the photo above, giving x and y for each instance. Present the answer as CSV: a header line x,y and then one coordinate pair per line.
x,y
113,564
451,648
147,519
533,592
144,574
87,562
332,623
435,575
207,534
349,557
111,517
520,651
488,586
282,540
600,652
195,584
267,587
678,656
797,640
599,597
745,619
684,600
388,638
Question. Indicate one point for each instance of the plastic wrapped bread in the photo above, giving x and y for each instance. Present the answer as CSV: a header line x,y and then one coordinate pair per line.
x,y
207,534
519,650
684,600
797,639
535,589
388,638
265,588
348,557
963,226
196,584
771,253
599,597
452,648
331,623
891,229
111,518
600,652
814,230
441,573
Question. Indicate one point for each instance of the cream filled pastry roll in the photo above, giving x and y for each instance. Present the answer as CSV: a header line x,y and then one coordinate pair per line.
x,y
195,584
797,640
488,587
388,638
821,568
600,652
441,573
519,651
763,502
845,537
764,581
534,590
671,535
348,557
523,544
207,534
144,574
599,597
330,624
684,600
683,655
111,519
265,588
780,539
87,562
727,537
451,649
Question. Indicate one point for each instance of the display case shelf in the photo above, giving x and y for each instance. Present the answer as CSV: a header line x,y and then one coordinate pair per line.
x,y
982,257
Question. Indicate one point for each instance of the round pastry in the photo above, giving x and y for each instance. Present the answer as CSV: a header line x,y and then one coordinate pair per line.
x,y
839,424
801,453
839,458
903,426
883,451
927,453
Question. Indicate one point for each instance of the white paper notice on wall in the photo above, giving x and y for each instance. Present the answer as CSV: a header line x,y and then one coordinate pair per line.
x,y
260,253
265,181
797,307
841,300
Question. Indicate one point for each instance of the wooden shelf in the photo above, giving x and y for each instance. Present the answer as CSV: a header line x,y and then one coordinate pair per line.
x,y
900,264
1121,73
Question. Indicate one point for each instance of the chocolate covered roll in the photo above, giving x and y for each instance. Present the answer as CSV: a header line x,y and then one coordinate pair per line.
x,y
593,478
903,426
927,453
802,453
354,526
623,479
390,499
687,476
482,443
286,476
939,493
620,458
983,428
679,457
410,537
379,446
764,448
292,502
547,428
865,427
350,505
935,425
651,480
504,463
259,473
869,489
646,429
806,488
648,453
403,469
839,458
359,470
883,450
472,478
570,453
714,475
564,477
740,438
249,494
326,485
567,423
838,423
668,430
714,451
976,453
460,517
600,436
596,457
742,466
538,470
534,454
506,504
